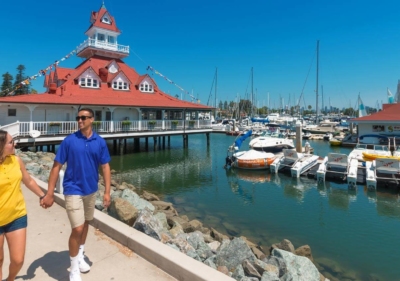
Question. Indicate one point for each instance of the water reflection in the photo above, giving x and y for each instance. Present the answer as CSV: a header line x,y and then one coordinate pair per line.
x,y
387,201
339,195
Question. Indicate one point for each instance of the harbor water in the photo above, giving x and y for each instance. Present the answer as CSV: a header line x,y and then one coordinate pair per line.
x,y
352,233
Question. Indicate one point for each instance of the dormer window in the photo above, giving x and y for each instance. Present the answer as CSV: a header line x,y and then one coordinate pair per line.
x,y
146,87
120,85
89,83
101,37
106,20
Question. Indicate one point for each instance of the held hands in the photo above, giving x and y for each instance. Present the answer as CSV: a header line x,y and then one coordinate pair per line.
x,y
47,201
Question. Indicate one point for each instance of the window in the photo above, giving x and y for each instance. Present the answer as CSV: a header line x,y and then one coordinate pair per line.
x,y
111,40
89,83
12,112
120,85
146,87
101,37
106,20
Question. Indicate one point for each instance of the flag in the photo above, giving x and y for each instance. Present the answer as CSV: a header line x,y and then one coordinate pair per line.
x,y
361,108
390,96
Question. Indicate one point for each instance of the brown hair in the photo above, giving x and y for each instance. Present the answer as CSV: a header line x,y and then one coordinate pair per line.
x,y
3,140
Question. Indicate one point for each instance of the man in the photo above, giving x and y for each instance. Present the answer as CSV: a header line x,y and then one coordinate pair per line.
x,y
83,151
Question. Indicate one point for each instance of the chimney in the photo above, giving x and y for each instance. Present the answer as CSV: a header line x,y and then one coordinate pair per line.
x,y
52,88
103,73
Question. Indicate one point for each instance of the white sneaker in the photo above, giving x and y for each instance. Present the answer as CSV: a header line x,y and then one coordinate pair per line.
x,y
75,276
83,266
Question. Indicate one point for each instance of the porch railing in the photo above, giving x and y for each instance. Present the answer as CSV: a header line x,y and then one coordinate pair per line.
x,y
23,129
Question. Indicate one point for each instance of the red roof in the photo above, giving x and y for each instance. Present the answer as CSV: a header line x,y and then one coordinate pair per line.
x,y
62,73
72,93
96,17
389,113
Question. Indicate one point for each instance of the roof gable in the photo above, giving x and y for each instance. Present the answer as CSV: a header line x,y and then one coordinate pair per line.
x,y
96,19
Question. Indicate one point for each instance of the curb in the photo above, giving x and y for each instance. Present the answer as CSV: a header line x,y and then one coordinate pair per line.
x,y
175,263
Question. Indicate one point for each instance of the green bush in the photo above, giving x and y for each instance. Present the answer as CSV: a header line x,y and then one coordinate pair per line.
x,y
174,122
192,122
126,123
53,124
96,123
152,122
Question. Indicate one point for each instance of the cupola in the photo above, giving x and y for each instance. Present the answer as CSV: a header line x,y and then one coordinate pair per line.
x,y
102,37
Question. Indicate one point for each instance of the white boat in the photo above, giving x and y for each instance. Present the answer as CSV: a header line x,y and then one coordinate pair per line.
x,y
338,166
328,136
251,159
298,163
383,170
371,146
323,127
271,142
224,126
306,135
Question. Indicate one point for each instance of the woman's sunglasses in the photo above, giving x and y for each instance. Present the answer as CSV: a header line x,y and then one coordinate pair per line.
x,y
83,117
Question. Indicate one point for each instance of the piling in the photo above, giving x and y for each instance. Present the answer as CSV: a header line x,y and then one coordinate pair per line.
x,y
299,147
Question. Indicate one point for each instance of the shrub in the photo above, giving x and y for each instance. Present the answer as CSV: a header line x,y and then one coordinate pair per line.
x,y
126,123
174,122
192,122
96,123
51,124
152,122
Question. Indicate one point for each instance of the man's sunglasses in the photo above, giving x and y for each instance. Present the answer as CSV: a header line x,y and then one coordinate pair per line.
x,y
83,117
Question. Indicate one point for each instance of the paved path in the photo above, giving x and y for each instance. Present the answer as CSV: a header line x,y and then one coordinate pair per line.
x,y
47,255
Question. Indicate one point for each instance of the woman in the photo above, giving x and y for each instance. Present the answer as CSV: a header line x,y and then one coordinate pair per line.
x,y
13,218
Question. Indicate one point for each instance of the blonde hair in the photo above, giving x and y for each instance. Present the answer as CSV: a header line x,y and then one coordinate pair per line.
x,y
3,140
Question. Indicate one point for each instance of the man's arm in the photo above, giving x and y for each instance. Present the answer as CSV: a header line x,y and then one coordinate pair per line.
x,y
107,184
48,200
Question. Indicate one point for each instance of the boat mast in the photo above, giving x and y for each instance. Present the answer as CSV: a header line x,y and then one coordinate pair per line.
x,y
216,80
252,98
316,88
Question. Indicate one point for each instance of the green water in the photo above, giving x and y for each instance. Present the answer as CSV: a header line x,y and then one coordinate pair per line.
x,y
352,234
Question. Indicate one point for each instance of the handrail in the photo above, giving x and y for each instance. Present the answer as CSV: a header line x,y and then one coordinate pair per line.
x,y
52,128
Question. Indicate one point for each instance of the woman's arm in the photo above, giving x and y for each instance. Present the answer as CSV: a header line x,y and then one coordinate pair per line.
x,y
28,181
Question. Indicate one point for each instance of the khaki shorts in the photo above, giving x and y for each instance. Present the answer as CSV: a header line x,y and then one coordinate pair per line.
x,y
80,208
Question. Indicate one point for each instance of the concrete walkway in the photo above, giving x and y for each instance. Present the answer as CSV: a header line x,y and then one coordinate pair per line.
x,y
47,255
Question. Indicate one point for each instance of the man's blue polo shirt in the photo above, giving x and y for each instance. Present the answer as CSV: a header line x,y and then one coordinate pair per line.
x,y
83,157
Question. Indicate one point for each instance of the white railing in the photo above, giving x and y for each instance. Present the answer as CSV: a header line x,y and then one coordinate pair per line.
x,y
23,129
102,45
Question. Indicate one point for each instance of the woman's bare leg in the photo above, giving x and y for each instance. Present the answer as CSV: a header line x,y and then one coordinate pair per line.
x,y
16,241
1,255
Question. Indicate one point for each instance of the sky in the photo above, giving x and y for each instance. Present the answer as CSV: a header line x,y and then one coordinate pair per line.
x,y
187,41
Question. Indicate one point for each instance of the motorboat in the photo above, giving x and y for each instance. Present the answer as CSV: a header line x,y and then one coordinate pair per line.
x,y
323,127
328,136
293,161
337,166
306,135
335,142
350,140
224,126
370,147
383,170
250,159
271,142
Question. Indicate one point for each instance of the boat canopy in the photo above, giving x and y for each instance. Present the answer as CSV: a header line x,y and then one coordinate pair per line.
x,y
260,120
239,141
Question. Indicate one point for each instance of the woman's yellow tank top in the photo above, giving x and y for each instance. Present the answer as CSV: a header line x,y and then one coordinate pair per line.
x,y
12,203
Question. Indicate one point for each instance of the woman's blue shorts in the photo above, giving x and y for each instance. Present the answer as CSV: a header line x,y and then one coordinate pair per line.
x,y
19,223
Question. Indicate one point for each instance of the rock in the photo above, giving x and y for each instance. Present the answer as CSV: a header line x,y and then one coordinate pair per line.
x,y
262,267
285,245
176,230
210,262
258,253
298,268
124,211
163,219
185,247
214,246
223,269
234,253
136,201
250,269
249,279
148,224
277,262
238,272
249,243
196,225
304,251
161,205
269,276
150,196
218,236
